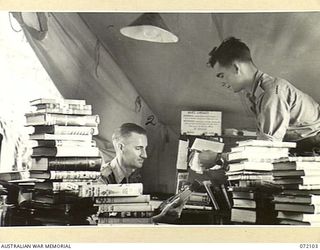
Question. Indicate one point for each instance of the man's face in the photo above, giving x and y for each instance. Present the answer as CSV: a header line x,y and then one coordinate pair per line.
x,y
134,150
229,77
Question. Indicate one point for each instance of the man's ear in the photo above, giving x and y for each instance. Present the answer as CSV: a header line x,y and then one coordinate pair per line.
x,y
120,146
236,66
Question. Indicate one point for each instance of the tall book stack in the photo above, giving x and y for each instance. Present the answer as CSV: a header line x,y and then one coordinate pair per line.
x,y
119,203
299,202
252,181
64,157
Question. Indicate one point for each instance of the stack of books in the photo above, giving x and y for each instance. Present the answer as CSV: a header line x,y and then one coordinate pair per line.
x,y
64,158
119,203
250,173
299,202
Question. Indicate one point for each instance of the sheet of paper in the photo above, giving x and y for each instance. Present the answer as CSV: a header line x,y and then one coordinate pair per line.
x,y
182,157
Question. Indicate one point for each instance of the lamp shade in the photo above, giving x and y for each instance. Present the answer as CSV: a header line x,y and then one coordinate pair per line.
x,y
149,27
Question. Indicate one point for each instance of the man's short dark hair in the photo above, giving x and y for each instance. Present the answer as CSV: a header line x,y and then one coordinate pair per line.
x,y
126,129
229,50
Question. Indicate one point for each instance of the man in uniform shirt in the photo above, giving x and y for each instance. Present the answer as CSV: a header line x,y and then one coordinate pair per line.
x,y
130,143
283,112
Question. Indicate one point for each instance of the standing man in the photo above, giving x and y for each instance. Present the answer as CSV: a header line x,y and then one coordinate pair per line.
x,y
130,143
282,111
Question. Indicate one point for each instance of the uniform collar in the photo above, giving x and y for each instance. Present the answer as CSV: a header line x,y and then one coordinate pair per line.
x,y
256,86
119,172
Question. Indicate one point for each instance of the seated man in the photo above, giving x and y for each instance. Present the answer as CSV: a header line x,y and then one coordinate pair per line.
x,y
130,143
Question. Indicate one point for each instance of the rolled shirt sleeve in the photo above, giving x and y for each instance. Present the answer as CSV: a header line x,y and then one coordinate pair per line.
x,y
273,115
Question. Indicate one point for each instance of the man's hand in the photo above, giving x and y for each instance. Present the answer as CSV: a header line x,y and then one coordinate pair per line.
x,y
208,158
171,211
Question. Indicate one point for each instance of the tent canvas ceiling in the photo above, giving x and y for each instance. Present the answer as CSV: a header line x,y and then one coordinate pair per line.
x,y
174,77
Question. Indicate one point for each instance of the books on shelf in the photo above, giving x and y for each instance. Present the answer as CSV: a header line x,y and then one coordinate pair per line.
x,y
61,119
65,151
66,163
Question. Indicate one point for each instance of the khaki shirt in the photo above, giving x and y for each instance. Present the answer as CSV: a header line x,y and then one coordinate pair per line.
x,y
113,173
283,111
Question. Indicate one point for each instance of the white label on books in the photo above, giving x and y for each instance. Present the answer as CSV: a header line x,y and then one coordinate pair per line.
x,y
201,123
182,158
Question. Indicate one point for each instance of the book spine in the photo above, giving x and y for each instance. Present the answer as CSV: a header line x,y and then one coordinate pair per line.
x,y
109,200
64,143
199,198
65,120
126,214
103,220
111,190
77,163
87,138
66,151
56,175
62,106
64,111
106,208
57,101
64,186
196,207
66,130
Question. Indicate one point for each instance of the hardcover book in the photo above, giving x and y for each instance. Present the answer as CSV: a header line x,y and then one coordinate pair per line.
x,y
65,130
66,163
65,151
111,190
310,199
263,143
62,106
63,143
60,119
304,208
66,111
131,199
73,175
134,207
57,101
87,138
